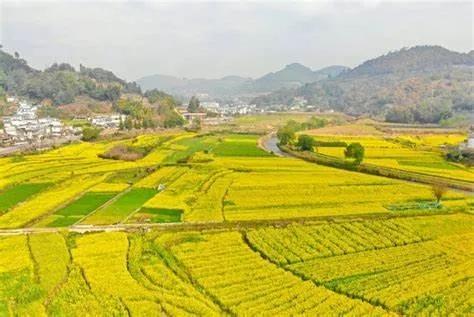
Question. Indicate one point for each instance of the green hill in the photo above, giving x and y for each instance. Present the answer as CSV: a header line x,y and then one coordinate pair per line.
x,y
60,83
425,84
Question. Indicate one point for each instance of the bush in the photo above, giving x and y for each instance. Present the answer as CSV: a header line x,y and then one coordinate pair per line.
x,y
90,133
330,143
125,152
306,143
355,151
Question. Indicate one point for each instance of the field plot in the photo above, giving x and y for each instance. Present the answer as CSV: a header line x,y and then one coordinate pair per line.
x,y
103,258
239,145
387,263
76,210
242,281
120,208
415,153
13,195
155,215
284,188
47,201
300,243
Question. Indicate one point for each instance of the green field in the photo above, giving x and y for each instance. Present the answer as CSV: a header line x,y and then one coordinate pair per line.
x,y
78,209
121,207
15,194
154,215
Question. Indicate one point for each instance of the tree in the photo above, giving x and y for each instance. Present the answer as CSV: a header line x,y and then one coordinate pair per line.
x,y
170,118
355,151
17,55
155,95
194,104
306,142
285,135
121,125
128,124
439,190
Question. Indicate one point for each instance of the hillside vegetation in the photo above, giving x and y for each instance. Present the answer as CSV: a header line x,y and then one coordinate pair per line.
x,y
60,83
427,84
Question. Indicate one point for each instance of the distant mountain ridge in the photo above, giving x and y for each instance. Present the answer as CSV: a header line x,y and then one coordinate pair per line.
x,y
291,76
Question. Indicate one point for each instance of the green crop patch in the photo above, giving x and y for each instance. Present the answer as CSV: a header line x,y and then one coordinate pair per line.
x,y
185,148
16,194
122,207
78,209
156,215
239,145
62,221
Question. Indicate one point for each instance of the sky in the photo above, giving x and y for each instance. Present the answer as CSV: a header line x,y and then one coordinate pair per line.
x,y
215,39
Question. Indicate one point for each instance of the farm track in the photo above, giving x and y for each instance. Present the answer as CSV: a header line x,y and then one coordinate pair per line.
x,y
202,226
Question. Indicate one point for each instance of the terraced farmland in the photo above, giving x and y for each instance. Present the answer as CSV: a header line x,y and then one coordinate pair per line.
x,y
191,178
369,267
212,225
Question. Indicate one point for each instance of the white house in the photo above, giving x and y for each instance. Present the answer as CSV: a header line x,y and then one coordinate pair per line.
x,y
108,121
470,141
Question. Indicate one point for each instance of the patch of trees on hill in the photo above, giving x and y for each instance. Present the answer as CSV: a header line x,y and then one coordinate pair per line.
x,y
60,83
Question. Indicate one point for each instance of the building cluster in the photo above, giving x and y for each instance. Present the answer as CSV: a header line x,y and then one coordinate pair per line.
x,y
229,109
111,121
25,127
239,109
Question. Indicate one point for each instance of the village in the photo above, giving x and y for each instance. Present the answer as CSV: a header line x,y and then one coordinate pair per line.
x,y
24,127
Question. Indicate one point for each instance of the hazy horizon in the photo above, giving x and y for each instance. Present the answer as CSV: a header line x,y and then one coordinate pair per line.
x,y
216,39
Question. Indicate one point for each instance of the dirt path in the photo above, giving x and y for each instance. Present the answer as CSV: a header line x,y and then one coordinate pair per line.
x,y
198,226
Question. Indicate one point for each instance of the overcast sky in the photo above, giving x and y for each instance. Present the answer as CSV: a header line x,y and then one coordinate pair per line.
x,y
214,39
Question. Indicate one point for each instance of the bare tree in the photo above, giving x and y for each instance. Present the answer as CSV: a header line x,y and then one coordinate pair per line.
x,y
439,190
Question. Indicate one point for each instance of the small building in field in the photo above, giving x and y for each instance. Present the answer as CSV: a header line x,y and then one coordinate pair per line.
x,y
470,141
190,116
108,121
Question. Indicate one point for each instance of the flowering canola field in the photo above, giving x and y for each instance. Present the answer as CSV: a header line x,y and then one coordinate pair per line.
x,y
259,235
410,266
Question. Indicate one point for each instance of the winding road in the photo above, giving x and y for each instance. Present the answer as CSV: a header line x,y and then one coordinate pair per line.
x,y
269,143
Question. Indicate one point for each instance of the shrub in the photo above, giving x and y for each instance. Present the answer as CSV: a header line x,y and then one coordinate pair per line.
x,y
124,153
305,142
330,143
355,151
90,133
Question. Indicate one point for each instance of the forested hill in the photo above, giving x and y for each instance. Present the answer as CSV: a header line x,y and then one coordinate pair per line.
x,y
60,83
425,84
415,59
294,75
